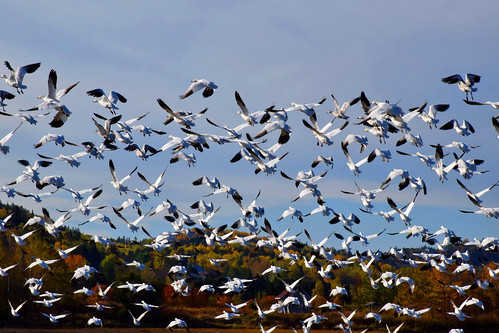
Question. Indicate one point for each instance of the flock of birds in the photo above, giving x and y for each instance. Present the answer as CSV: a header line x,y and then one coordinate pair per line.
x,y
378,119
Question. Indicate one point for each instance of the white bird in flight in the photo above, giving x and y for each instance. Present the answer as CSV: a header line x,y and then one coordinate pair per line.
x,y
3,142
55,319
16,77
107,101
53,101
198,84
15,311
465,85
3,96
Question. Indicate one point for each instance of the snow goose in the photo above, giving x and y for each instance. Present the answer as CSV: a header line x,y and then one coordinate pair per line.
x,y
381,130
262,330
58,139
395,330
169,206
264,115
495,124
495,105
51,295
467,168
366,196
48,302
465,85
314,319
131,225
105,131
94,321
53,101
373,315
339,112
328,161
183,118
391,306
307,109
3,96
118,184
329,305
16,77
85,291
458,313
385,155
64,254
291,287
55,180
146,306
293,212
206,287
347,220
3,271
72,160
439,167
3,147
361,139
78,195
465,148
20,239
404,215
269,167
144,153
405,279
488,212
137,264
136,321
55,319
347,320
427,159
126,125
400,120
235,307
198,84
361,237
244,113
153,187
189,158
338,290
234,133
30,118
415,140
145,130
430,116
85,207
492,272
273,269
227,315
465,129
107,101
273,126
461,290
31,172
179,323
321,135
354,167
42,263
475,301
15,311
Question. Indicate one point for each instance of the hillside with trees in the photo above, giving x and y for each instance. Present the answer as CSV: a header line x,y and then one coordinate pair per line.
x,y
178,293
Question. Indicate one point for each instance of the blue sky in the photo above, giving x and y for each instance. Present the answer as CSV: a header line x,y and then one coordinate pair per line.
x,y
272,52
